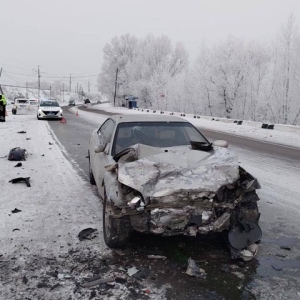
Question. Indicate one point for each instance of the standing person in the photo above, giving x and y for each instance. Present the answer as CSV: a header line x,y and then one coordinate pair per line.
x,y
2,108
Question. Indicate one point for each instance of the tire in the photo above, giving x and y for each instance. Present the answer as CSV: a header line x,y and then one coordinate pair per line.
x,y
91,175
38,117
116,232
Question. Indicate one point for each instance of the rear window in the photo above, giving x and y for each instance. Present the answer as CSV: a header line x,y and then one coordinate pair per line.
x,y
24,101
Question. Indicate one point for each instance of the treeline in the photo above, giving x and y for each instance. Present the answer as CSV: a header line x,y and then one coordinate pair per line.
x,y
233,78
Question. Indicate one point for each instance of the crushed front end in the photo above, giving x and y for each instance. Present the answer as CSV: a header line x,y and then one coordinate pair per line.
x,y
206,193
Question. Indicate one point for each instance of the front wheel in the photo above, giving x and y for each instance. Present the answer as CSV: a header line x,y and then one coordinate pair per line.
x,y
91,175
116,231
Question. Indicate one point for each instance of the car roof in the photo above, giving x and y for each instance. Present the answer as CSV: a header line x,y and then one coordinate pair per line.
x,y
146,118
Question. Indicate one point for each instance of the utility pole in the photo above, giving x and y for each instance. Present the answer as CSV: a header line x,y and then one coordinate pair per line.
x,y
89,87
70,89
39,83
63,92
50,92
116,86
27,90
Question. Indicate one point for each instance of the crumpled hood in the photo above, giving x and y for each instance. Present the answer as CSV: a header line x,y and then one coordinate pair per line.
x,y
157,173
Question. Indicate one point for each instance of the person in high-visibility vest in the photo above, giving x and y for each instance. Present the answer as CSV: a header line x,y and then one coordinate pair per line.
x,y
2,108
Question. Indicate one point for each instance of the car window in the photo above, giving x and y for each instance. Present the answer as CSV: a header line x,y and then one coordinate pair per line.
x,y
105,131
23,101
155,134
49,103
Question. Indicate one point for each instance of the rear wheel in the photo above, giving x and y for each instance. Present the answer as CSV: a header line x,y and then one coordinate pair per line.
x,y
116,231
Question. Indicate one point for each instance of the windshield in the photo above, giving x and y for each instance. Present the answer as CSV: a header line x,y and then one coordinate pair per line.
x,y
49,103
155,134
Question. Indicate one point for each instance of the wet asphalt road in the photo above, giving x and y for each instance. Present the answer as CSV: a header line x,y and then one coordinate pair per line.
x,y
275,274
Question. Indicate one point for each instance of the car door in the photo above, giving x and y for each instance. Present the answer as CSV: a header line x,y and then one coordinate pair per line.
x,y
102,159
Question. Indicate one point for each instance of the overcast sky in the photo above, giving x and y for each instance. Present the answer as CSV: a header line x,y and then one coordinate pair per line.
x,y
67,36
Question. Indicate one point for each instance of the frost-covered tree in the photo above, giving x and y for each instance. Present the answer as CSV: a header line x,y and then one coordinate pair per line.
x,y
145,66
117,55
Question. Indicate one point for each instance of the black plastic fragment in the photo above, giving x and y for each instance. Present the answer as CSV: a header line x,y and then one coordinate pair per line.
x,y
16,211
24,280
22,131
86,234
21,179
203,146
18,165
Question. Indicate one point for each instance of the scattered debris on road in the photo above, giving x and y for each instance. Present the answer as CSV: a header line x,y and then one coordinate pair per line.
x,y
16,211
97,281
87,234
157,256
21,179
194,270
132,271
17,153
18,164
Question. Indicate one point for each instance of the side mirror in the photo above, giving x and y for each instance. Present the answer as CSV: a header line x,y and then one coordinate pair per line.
x,y
99,148
220,143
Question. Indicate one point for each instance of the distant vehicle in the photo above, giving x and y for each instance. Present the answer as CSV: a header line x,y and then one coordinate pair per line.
x,y
49,109
159,174
71,102
34,102
87,103
21,105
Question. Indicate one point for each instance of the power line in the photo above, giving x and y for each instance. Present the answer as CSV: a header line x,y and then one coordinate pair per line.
x,y
19,86
81,76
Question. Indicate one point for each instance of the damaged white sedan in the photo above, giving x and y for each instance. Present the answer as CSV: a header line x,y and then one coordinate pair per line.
x,y
159,174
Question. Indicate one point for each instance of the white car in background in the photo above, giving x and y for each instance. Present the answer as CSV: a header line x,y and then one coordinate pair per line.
x,y
21,105
49,109
34,102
